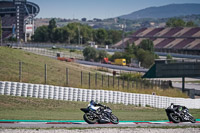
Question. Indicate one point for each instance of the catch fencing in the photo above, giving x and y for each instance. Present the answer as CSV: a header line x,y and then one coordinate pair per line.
x,y
85,95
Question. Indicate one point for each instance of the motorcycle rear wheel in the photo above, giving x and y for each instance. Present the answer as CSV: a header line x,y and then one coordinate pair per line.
x,y
174,118
114,119
89,119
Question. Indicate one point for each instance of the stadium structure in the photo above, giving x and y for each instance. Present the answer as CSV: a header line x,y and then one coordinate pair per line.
x,y
18,19
174,40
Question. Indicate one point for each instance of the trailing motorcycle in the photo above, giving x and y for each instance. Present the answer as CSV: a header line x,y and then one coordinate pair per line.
x,y
101,115
177,113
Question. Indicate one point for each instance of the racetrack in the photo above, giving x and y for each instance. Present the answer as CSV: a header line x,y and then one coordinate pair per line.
x,y
82,124
104,130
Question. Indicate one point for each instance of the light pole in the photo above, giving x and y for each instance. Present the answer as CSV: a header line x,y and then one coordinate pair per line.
x,y
78,35
81,40
123,29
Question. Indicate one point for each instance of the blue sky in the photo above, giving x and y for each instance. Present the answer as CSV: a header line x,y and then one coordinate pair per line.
x,y
90,9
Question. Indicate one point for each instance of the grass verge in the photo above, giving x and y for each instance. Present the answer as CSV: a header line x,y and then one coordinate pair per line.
x,y
21,108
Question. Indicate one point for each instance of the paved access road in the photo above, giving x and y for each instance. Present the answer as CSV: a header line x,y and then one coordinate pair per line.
x,y
125,68
195,86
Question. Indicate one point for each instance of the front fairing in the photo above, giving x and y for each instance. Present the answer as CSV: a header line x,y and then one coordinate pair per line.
x,y
108,110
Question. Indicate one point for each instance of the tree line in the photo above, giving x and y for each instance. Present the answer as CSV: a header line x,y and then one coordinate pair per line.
x,y
177,22
0,28
75,33
144,53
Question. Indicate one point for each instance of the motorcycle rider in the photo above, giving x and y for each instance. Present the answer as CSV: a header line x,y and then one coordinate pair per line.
x,y
95,106
180,109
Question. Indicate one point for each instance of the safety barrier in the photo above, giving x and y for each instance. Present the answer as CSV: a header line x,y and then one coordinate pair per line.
x,y
85,95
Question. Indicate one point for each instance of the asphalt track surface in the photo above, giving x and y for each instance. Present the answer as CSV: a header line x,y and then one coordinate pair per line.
x,y
81,124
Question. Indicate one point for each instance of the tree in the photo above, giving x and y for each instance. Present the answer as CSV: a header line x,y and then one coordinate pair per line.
x,y
86,33
41,34
72,32
141,55
101,36
114,35
65,34
190,24
147,44
169,57
60,35
145,57
128,57
129,49
0,28
102,54
148,60
129,53
90,53
108,42
116,55
174,22
51,27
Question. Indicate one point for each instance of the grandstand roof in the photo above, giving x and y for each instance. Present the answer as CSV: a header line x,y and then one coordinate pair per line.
x,y
7,6
166,38
8,15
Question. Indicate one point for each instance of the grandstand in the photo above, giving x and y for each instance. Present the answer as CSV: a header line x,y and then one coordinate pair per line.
x,y
18,18
178,40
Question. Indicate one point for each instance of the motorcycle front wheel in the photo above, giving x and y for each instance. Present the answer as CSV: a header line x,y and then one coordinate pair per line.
x,y
174,118
89,118
114,119
192,119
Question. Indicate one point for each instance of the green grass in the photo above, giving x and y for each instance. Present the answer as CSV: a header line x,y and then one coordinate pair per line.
x,y
20,108
193,81
33,72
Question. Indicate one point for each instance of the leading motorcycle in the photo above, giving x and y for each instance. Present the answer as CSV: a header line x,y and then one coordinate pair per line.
x,y
101,115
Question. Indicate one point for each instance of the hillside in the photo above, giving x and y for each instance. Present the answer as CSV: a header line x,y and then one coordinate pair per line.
x,y
33,68
166,11
33,72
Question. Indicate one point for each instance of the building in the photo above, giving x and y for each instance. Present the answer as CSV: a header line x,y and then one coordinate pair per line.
x,y
18,19
177,40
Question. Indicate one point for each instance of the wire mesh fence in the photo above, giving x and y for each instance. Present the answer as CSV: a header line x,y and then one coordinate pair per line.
x,y
53,52
54,75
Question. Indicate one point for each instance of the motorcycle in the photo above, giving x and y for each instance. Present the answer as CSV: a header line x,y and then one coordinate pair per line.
x,y
176,116
101,115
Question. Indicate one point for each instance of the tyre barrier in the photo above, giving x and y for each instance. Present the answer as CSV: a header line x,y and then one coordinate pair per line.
x,y
61,93
51,91
41,91
55,94
85,95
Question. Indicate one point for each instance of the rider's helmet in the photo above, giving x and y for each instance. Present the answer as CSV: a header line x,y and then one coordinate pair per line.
x,y
172,105
92,102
